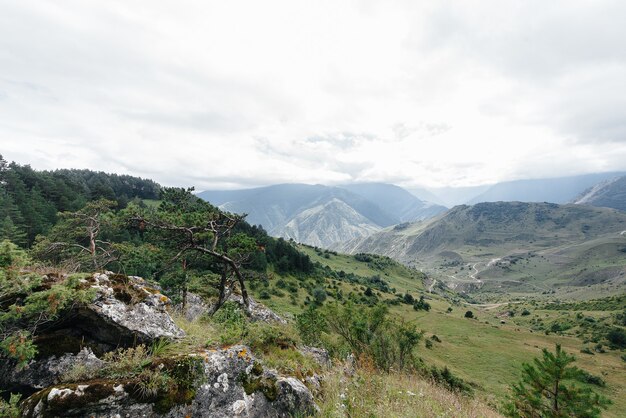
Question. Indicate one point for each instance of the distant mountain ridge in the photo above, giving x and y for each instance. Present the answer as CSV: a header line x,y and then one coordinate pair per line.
x,y
553,190
491,224
609,193
322,215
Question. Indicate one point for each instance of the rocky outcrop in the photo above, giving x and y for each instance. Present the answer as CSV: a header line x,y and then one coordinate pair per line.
x,y
127,309
258,311
39,374
196,306
221,383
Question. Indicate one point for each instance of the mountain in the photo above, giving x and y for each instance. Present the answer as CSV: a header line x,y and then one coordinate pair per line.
x,y
333,221
396,201
560,243
453,196
321,215
554,190
609,194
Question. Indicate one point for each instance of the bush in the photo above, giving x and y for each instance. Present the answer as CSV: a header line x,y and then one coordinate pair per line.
x,y
446,378
616,338
262,336
10,409
370,334
421,304
469,314
311,324
525,312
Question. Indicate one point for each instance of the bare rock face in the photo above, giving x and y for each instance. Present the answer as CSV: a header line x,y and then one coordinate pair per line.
x,y
258,311
39,374
125,311
127,307
221,383
196,307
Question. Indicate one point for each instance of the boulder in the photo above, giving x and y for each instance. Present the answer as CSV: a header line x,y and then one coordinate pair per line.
x,y
196,307
39,374
220,383
258,311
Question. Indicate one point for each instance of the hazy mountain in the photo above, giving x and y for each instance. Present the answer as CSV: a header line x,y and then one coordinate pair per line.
x,y
321,215
554,190
326,223
609,193
453,196
396,201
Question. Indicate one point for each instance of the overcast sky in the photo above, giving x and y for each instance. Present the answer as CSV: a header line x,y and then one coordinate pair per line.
x,y
225,94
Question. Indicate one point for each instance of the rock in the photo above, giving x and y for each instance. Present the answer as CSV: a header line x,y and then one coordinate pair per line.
x,y
127,309
320,355
39,374
225,383
195,307
258,311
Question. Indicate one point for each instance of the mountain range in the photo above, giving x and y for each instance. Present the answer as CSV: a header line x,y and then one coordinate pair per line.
x,y
575,244
322,215
609,193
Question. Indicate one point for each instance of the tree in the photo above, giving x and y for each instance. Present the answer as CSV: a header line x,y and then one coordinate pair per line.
x,y
77,236
469,314
187,225
549,388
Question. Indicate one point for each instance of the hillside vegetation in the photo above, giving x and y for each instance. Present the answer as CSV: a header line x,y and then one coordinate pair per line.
x,y
513,248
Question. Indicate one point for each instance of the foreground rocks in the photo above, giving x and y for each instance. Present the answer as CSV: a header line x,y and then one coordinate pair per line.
x,y
220,383
128,311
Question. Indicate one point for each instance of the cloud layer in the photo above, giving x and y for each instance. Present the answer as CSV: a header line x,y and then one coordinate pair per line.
x,y
240,94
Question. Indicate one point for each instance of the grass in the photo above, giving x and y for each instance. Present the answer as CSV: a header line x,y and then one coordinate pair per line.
x,y
374,394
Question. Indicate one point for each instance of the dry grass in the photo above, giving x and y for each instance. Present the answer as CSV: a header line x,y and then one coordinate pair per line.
x,y
375,394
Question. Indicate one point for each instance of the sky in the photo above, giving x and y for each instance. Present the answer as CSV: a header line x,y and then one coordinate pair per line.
x,y
234,94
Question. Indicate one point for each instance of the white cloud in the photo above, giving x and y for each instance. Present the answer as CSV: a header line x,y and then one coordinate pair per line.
x,y
232,94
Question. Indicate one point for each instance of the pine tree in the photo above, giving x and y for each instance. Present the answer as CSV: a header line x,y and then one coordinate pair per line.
x,y
550,388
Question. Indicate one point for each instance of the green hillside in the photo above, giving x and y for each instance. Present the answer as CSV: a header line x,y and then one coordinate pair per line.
x,y
513,248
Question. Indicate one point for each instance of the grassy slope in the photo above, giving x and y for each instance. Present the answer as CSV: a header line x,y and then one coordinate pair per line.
x,y
489,354
572,249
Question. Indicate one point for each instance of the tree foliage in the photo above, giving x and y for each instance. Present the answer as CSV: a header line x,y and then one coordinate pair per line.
x,y
550,388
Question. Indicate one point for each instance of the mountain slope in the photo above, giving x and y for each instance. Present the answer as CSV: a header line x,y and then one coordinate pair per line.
x,y
498,246
554,190
609,194
312,214
330,222
396,201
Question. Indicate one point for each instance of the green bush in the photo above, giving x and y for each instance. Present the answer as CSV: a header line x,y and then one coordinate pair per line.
x,y
10,409
369,333
310,325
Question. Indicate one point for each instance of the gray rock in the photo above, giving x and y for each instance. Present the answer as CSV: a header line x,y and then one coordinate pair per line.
x,y
232,384
320,355
258,311
128,308
194,308
39,374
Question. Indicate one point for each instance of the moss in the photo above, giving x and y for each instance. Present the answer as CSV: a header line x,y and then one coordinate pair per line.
x,y
125,291
187,373
256,382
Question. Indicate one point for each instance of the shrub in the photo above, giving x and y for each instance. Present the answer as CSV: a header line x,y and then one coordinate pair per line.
x,y
447,379
10,409
469,314
525,312
311,324
421,304
616,338
262,336
370,334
